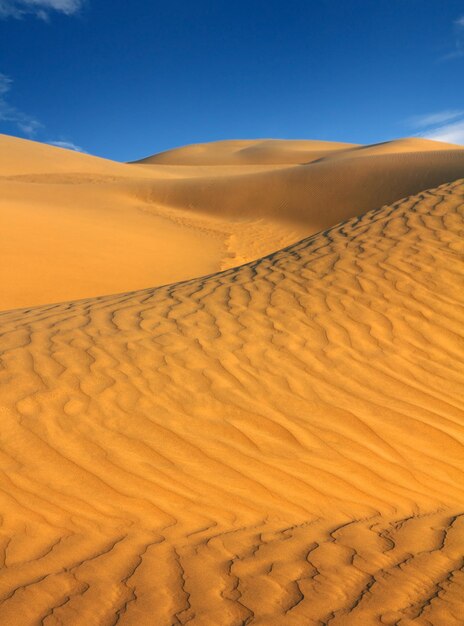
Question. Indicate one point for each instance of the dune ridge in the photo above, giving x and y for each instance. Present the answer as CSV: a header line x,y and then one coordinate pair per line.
x,y
277,443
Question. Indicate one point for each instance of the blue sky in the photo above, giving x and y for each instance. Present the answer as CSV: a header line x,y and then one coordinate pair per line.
x,y
123,79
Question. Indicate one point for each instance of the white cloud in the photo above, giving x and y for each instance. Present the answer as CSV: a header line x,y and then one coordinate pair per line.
x,y
68,145
433,119
449,133
40,8
5,84
28,125
10,114
446,125
17,9
458,51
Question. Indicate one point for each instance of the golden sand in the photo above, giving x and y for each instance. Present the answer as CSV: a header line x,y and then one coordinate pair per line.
x,y
75,226
278,443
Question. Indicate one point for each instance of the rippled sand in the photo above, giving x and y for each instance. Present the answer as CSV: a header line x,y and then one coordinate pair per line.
x,y
277,443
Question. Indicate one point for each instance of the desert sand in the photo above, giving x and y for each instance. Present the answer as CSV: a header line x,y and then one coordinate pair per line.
x,y
273,438
76,226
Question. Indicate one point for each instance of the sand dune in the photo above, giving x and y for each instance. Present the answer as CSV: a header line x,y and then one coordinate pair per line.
x,y
248,152
77,226
73,228
317,194
280,151
279,443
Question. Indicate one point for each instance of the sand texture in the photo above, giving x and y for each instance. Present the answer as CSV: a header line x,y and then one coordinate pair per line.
x,y
279,443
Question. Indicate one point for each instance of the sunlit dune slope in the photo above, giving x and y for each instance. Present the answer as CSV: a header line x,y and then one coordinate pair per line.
x,y
408,144
24,157
77,226
71,227
277,444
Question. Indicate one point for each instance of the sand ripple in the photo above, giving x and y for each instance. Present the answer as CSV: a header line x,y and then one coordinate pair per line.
x,y
279,443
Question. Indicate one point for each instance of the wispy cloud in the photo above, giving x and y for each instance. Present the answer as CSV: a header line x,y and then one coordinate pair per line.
x,y
5,84
40,8
10,114
458,51
68,145
446,125
27,124
433,119
449,133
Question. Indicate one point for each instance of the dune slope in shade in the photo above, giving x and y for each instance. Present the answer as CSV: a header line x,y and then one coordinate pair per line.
x,y
280,443
76,226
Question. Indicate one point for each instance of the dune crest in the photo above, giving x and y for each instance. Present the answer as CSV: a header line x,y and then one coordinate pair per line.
x,y
277,443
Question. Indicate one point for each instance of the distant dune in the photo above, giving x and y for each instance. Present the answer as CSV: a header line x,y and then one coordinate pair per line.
x,y
284,152
248,152
278,443
76,226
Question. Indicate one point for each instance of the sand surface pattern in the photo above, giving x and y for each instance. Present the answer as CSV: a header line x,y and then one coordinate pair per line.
x,y
279,443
